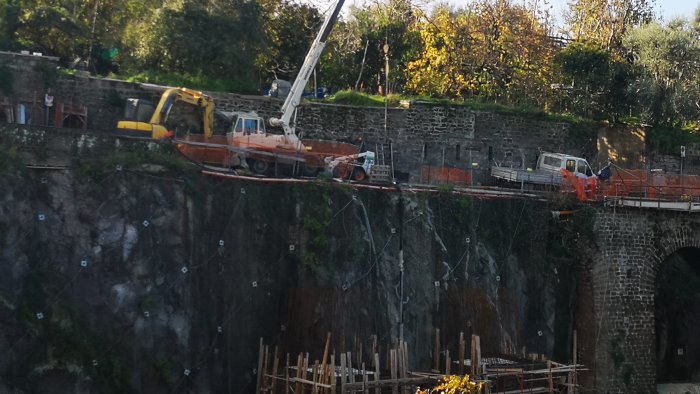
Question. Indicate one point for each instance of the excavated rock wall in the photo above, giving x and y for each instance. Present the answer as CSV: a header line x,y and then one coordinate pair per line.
x,y
124,269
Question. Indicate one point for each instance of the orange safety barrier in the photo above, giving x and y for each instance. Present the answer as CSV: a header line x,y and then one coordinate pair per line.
x,y
445,175
640,183
585,189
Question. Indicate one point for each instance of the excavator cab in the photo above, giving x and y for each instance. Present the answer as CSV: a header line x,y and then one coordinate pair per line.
x,y
138,110
145,120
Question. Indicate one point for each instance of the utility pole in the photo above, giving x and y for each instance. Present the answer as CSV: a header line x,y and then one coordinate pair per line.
x,y
386,106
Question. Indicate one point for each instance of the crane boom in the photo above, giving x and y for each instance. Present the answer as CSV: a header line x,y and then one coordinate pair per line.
x,y
294,97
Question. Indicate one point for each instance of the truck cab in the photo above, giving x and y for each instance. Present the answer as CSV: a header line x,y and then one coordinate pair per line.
x,y
247,124
555,162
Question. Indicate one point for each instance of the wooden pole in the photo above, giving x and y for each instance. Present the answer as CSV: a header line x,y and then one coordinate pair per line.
x,y
448,362
461,353
331,374
478,356
351,373
263,386
300,365
359,354
261,355
574,379
392,358
286,376
275,364
324,360
473,354
305,370
343,363
436,352
376,372
315,377
364,375
374,347
405,358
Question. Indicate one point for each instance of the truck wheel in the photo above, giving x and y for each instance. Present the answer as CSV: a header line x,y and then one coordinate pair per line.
x,y
359,174
258,166
337,173
310,171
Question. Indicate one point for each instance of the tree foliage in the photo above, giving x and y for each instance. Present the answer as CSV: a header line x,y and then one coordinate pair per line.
x,y
179,36
593,82
495,49
605,22
289,30
619,61
356,50
668,88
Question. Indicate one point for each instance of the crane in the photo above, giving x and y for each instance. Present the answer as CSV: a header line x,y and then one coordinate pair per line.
x,y
294,98
258,150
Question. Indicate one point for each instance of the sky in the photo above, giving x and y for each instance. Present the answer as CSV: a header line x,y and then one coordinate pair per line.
x,y
667,9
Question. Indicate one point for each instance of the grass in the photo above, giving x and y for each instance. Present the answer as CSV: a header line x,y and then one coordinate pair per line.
x,y
357,99
668,140
348,97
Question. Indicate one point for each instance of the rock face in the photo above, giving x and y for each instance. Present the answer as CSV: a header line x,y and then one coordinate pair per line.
x,y
132,272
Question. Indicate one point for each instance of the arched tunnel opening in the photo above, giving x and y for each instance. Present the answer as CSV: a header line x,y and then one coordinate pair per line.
x,y
678,318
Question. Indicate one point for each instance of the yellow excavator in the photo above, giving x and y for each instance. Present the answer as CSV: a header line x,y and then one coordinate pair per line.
x,y
138,123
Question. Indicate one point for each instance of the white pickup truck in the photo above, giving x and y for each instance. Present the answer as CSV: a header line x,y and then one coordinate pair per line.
x,y
547,173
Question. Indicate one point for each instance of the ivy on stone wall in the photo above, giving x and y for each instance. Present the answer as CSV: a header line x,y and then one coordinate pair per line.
x,y
7,79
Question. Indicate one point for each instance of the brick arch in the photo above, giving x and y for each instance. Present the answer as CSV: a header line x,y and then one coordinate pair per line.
x,y
631,247
669,244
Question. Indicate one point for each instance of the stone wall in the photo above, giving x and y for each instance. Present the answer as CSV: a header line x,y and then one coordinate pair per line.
x,y
423,134
676,164
31,76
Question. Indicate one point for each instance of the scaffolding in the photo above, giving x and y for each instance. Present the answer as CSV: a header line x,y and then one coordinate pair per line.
x,y
350,373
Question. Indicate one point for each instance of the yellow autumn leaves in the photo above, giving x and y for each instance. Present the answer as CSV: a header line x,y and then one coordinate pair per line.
x,y
494,49
454,385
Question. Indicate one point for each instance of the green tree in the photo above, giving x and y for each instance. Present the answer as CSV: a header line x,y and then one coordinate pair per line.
x,y
54,28
668,88
594,81
605,22
10,12
219,39
289,30
356,49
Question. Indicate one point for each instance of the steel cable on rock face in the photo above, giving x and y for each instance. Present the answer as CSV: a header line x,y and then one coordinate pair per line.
x,y
373,258
373,261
